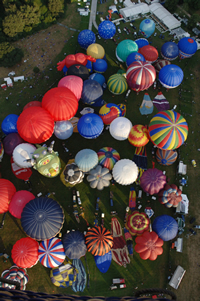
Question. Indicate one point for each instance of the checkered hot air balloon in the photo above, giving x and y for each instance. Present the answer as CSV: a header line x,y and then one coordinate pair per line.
x,y
51,252
99,240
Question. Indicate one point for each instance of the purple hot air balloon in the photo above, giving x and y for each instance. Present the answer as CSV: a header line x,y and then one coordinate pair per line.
x,y
152,180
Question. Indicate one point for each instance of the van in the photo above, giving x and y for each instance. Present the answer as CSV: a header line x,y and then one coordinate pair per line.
x,y
177,277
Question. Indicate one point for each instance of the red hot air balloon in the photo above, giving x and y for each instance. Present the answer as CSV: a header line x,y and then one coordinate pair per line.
x,y
61,103
149,52
72,59
34,103
149,245
140,76
19,200
35,125
7,191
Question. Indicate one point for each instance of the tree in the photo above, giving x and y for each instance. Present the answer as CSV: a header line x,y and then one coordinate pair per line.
x,y
13,24
194,4
171,5
31,16
9,56
56,7
193,21
5,48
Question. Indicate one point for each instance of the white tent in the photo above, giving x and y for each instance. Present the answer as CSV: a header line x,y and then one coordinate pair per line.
x,y
164,16
132,12
183,206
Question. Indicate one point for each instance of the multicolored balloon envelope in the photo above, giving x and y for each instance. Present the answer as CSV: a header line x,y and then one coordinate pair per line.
x,y
137,222
98,240
51,252
17,274
159,64
117,84
138,135
168,130
64,275
109,112
170,196
103,262
81,278
152,180
166,157
107,157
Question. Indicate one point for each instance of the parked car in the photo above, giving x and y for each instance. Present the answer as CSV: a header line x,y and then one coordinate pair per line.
x,y
118,29
155,34
196,226
192,231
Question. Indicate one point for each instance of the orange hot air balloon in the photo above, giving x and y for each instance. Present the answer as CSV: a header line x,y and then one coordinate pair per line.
x,y
7,191
138,135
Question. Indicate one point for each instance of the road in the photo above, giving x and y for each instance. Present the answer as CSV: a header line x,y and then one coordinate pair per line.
x,y
93,12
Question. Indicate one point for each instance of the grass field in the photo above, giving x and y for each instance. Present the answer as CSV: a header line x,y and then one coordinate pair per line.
x,y
138,273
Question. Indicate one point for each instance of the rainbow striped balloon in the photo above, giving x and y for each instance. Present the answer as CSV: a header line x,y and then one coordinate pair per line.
x,y
51,252
168,130
166,157
117,84
138,135
107,157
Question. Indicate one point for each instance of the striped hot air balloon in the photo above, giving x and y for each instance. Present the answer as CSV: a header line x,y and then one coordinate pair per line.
x,y
51,252
117,84
168,130
137,223
166,157
107,157
99,240
138,135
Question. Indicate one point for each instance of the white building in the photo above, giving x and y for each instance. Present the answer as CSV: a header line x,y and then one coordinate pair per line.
x,y
135,11
8,81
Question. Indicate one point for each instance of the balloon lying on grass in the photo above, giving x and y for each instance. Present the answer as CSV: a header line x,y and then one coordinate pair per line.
x,y
9,124
23,153
46,161
125,172
17,274
86,37
73,83
159,64
170,196
99,177
10,142
34,103
141,42
63,129
134,56
99,78
7,189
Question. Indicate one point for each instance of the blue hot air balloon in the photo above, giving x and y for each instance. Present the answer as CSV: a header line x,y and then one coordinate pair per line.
x,y
86,37
147,27
165,226
9,124
107,29
187,47
63,129
92,92
171,76
74,244
90,126
141,42
134,56
100,65
169,51
99,78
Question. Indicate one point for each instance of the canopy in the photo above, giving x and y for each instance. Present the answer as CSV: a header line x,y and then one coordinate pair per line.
x,y
103,262
10,142
63,129
64,275
107,157
187,47
134,56
86,159
73,83
35,125
169,51
96,51
160,102
165,226
140,76
72,174
25,252
74,244
141,42
18,201
147,27
138,135
168,130
120,128
125,172
109,112
90,126
99,240
100,66
152,180
7,191
166,157
117,84
171,76
51,252
137,222
170,196
42,218
149,52
23,153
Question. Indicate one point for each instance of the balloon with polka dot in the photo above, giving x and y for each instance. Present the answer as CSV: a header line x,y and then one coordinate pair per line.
x,y
107,29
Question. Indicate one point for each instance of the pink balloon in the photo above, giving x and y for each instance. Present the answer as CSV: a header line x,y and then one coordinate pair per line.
x,y
18,202
73,83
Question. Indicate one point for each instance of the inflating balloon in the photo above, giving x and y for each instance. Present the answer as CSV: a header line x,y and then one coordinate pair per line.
x,y
147,27
86,37
63,129
107,29
9,124
96,51
71,59
73,83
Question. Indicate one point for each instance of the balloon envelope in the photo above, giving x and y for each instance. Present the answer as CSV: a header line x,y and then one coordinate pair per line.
x,y
9,124
42,218
73,83
22,153
10,142
99,78
63,129
74,244
78,70
7,191
35,125
92,92
107,157
125,172
109,112
134,56
103,262
51,252
137,222
152,180
117,84
168,130
147,27
141,42
34,103
18,201
86,159
171,76
100,65
159,64
149,52
106,29
90,126
166,157
149,245
86,37
187,47
120,128
165,226
124,48
169,51
138,135
96,51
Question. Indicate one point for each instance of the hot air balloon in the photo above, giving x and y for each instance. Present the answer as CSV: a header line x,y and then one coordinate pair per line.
x,y
107,157
99,177
120,128
149,52
159,64
42,218
109,112
170,196
96,51
86,37
187,47
152,180
169,51
34,103
63,129
166,157
61,103
149,245
16,274
168,130
100,65
147,27
117,84
23,153
51,252
9,124
103,262
72,174
140,76
72,59
65,275
138,135
10,142
160,102
99,78
35,125
73,83
98,240
141,42
137,222
79,70
171,76
134,56
90,126
7,191
18,201
92,92
25,252
106,29
146,105
165,226
86,159
125,172
124,48
74,244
